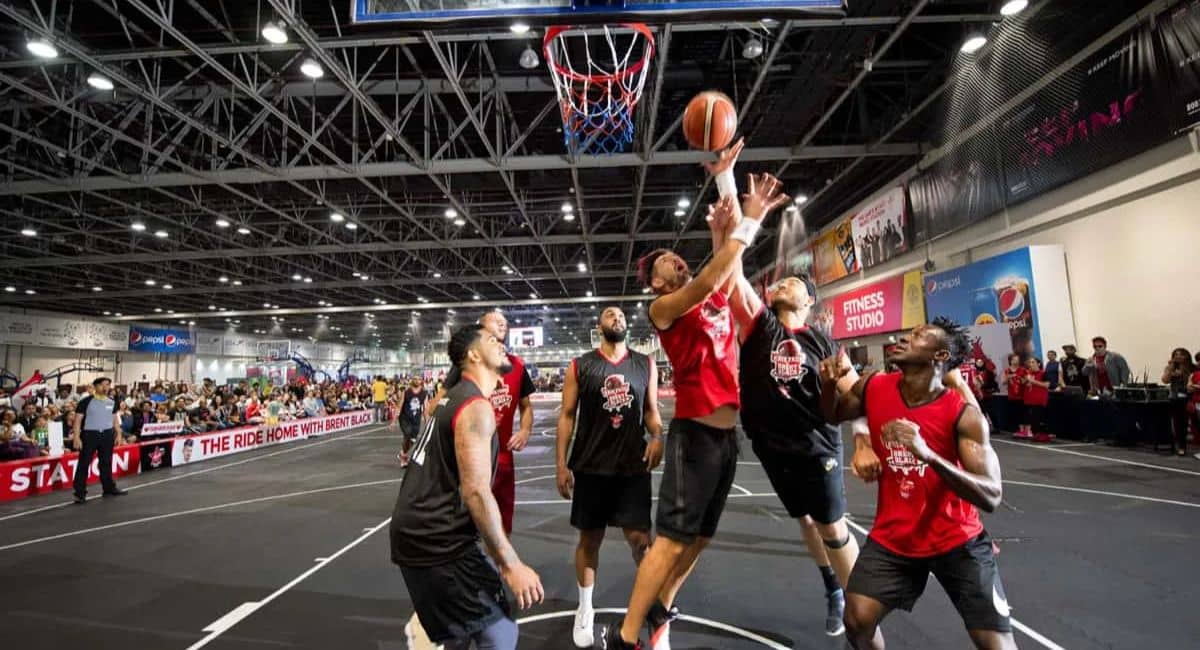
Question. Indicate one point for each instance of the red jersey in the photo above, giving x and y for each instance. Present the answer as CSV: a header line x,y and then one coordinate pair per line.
x,y
917,515
1103,382
702,348
970,374
1036,395
513,387
1195,397
1015,386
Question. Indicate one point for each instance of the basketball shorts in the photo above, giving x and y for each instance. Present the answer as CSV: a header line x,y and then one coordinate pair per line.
x,y
618,501
969,574
700,463
807,485
458,599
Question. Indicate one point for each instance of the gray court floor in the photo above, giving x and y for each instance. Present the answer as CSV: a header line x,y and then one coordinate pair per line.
x,y
287,547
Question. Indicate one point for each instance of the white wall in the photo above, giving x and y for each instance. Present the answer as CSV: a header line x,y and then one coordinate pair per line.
x,y
1131,234
126,368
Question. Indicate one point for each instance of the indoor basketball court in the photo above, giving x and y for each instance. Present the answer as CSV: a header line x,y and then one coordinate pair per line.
x,y
316,196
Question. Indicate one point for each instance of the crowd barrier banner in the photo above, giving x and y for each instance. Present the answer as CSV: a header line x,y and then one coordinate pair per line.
x,y
23,478
162,428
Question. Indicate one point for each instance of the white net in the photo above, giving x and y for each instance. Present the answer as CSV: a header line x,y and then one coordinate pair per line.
x,y
599,75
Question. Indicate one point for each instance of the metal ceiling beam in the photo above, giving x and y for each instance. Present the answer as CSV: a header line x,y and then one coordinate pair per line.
x,y
248,176
334,249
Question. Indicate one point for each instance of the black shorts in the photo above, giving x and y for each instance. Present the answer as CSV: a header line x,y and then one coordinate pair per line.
x,y
969,575
807,485
1035,416
409,428
603,501
458,599
697,475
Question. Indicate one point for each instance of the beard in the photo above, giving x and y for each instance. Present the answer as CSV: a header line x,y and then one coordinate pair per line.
x,y
613,336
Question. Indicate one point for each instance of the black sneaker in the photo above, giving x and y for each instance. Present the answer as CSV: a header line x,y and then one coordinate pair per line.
x,y
610,639
80,499
835,608
658,622
115,493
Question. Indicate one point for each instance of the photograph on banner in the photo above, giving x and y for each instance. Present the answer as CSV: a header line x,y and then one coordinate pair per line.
x,y
1107,108
963,187
881,229
833,254
1179,32
877,308
994,290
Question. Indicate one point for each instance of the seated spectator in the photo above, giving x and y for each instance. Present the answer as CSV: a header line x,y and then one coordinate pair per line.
x,y
343,402
161,414
14,445
28,415
254,414
40,435
127,421
158,394
311,404
9,421
220,412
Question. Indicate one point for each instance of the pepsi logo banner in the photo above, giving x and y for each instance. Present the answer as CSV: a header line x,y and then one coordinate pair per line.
x,y
169,341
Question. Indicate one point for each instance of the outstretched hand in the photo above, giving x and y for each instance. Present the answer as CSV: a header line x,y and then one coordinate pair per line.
x,y
726,159
721,216
765,195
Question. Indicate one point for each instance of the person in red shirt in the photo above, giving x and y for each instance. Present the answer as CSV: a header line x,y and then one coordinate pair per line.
x,y
695,325
1014,383
1193,389
931,455
1035,395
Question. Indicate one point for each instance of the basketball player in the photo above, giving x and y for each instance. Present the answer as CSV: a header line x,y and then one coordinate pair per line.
x,y
694,324
515,388
457,593
610,400
937,467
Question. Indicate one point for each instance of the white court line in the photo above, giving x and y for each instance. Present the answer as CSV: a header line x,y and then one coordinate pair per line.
x,y
239,613
743,490
1076,444
1028,631
181,513
1122,495
716,625
565,502
536,478
537,467
196,473
1108,458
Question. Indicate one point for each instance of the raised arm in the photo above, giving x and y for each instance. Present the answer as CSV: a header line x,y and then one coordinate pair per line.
x,y
566,428
473,448
722,173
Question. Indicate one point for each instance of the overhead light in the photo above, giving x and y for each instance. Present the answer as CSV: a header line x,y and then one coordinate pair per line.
x,y
223,279
108,313
161,234
589,294
10,289
168,287
191,322
684,203
519,27
529,59
158,310
212,307
237,283
243,231
460,222
476,297
582,267
1013,7
312,69
356,274
364,277
350,225
973,43
533,296
42,48
680,213
297,277
321,303
117,314
567,208
99,82
753,49
29,232
150,283
570,216
222,223
29,292
437,275
138,226
336,217
307,280
274,33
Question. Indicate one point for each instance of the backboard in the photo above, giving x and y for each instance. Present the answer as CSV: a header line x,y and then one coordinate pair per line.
x,y
469,13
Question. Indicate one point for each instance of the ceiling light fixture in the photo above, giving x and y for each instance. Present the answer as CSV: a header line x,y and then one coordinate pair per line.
x,y
529,59
138,226
99,82
307,280
161,234
680,213
297,277
336,217
519,27
753,49
243,231
1013,7
570,216
237,283
582,267
10,289
168,287
42,48
274,33
222,223
450,213
30,292
350,225
312,69
800,199
684,203
460,222
974,43
437,275
150,283
29,232
567,208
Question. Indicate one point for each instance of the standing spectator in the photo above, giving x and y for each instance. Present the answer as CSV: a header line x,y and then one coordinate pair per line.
x,y
1072,369
379,391
41,398
95,429
1193,389
1036,396
1014,384
1176,375
1106,369
1053,370
412,405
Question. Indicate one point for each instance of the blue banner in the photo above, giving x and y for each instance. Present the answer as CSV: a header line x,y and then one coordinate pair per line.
x,y
995,290
146,339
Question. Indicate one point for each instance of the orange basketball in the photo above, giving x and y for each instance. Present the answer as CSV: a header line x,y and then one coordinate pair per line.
x,y
710,121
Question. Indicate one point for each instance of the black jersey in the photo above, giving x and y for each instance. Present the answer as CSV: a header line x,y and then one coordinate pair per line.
x,y
609,431
430,523
781,387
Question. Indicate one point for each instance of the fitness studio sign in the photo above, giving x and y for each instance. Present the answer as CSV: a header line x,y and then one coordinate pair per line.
x,y
885,306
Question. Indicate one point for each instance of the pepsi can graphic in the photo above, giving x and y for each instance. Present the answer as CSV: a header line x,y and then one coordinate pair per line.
x,y
1012,296
983,307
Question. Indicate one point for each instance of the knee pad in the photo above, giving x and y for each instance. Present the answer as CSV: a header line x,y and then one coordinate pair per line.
x,y
836,543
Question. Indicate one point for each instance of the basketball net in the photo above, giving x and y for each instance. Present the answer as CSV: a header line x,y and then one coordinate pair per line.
x,y
598,92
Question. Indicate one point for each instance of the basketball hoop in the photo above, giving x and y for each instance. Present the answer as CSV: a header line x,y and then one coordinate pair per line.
x,y
597,101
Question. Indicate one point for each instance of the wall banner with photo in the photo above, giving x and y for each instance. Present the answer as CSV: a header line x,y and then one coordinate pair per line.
x,y
881,229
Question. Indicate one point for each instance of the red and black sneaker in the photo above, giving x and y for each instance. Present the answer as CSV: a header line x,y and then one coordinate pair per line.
x,y
610,639
658,622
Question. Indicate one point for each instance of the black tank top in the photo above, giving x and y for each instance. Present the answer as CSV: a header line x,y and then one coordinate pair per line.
x,y
430,523
781,387
609,432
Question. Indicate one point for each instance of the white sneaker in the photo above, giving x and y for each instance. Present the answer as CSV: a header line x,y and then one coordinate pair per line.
x,y
415,635
584,632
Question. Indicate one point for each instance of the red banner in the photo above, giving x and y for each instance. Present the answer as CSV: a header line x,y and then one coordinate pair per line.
x,y
19,479
873,309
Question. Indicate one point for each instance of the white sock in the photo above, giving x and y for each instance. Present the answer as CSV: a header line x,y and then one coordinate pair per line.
x,y
585,598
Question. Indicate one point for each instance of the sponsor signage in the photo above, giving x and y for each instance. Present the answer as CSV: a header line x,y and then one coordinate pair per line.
x,y
55,332
833,254
881,229
886,306
22,478
169,341
191,449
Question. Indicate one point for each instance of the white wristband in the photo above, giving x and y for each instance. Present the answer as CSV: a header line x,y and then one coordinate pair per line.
x,y
860,428
727,187
745,231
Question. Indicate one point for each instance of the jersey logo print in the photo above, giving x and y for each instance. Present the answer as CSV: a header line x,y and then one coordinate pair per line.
x,y
616,398
787,361
718,326
501,400
903,462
